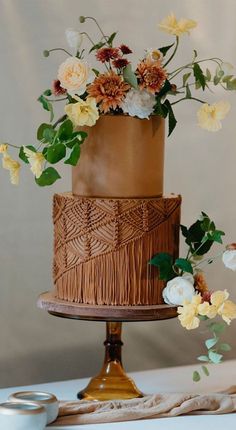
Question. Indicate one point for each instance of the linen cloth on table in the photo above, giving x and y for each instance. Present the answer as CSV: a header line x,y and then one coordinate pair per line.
x,y
148,407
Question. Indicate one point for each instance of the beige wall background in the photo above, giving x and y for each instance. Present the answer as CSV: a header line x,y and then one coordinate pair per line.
x,y
35,347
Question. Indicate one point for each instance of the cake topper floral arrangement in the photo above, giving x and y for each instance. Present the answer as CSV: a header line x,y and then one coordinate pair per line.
x,y
117,86
187,288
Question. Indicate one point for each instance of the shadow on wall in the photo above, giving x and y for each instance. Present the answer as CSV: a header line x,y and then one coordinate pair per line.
x,y
60,364
78,362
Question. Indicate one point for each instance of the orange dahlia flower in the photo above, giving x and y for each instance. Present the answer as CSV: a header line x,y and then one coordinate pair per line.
x,y
200,283
151,75
109,90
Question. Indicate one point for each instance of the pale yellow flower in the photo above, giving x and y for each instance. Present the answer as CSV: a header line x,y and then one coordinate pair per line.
x,y
188,313
219,297
13,167
74,74
172,26
84,112
210,116
3,148
36,160
227,311
208,310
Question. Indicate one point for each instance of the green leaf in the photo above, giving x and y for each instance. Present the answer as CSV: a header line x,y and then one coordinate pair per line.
x,y
216,236
22,155
41,129
186,76
160,108
208,75
65,130
47,105
231,85
196,376
203,358
165,89
111,38
215,357
216,79
56,152
203,317
171,117
164,263
48,177
188,92
211,342
47,93
74,156
97,46
96,72
165,49
129,76
225,347
194,54
227,78
205,370
184,265
199,76
217,327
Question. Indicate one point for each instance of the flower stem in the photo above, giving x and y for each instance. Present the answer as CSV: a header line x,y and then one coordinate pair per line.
x,y
174,52
61,119
60,49
13,146
55,100
99,27
89,38
188,98
208,259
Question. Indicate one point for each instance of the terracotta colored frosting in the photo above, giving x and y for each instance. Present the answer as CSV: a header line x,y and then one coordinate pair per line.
x,y
102,247
121,157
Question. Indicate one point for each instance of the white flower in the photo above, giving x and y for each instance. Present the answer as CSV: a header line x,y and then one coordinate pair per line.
x,y
178,290
154,54
210,116
74,39
138,103
229,259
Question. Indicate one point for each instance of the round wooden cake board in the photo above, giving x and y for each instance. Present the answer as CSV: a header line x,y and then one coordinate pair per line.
x,y
111,382
64,309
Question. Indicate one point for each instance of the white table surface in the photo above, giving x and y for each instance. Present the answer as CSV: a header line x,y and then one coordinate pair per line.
x,y
175,379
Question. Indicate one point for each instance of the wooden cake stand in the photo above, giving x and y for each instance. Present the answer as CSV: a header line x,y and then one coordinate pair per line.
x,y
112,381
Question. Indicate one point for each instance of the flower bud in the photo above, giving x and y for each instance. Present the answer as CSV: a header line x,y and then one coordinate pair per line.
x,y
46,53
82,19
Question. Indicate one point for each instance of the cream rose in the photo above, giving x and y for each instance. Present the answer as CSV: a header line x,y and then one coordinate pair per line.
x,y
178,290
74,75
229,259
84,112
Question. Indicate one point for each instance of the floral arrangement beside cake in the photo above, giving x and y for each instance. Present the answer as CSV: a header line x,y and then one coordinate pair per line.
x,y
116,235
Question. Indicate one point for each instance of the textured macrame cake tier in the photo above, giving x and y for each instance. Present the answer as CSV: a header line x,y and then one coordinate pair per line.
x,y
102,247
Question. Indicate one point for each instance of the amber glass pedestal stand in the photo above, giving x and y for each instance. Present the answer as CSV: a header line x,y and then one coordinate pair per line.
x,y
112,382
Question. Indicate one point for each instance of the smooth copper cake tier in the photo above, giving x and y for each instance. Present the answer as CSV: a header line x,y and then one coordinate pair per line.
x,y
103,245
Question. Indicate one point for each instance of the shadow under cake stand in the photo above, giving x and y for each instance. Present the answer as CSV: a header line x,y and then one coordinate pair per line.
x,y
112,382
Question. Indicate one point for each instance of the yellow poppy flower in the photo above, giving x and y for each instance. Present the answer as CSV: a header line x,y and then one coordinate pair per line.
x,y
210,116
3,148
13,167
36,160
172,26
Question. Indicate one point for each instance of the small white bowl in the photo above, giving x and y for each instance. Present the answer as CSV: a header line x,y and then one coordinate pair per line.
x,y
22,416
49,401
